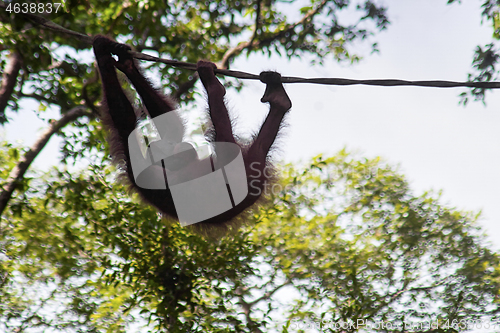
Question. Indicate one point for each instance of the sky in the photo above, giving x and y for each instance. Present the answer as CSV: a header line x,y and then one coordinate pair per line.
x,y
437,144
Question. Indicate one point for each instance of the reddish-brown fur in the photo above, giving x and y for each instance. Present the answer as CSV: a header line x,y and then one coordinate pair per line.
x,y
120,118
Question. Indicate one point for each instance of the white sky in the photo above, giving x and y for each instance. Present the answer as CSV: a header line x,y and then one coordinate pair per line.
x,y
437,143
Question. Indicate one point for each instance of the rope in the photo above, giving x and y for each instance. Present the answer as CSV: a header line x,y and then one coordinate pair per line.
x,y
285,79
326,81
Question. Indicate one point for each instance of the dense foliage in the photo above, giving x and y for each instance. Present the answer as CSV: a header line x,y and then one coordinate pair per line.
x,y
342,240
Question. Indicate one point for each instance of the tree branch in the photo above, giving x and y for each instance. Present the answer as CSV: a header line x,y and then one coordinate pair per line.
x,y
9,79
37,97
252,43
310,14
269,294
17,173
405,289
257,20
247,306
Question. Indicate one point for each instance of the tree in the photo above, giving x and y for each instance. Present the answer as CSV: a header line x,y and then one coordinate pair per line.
x,y
344,236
